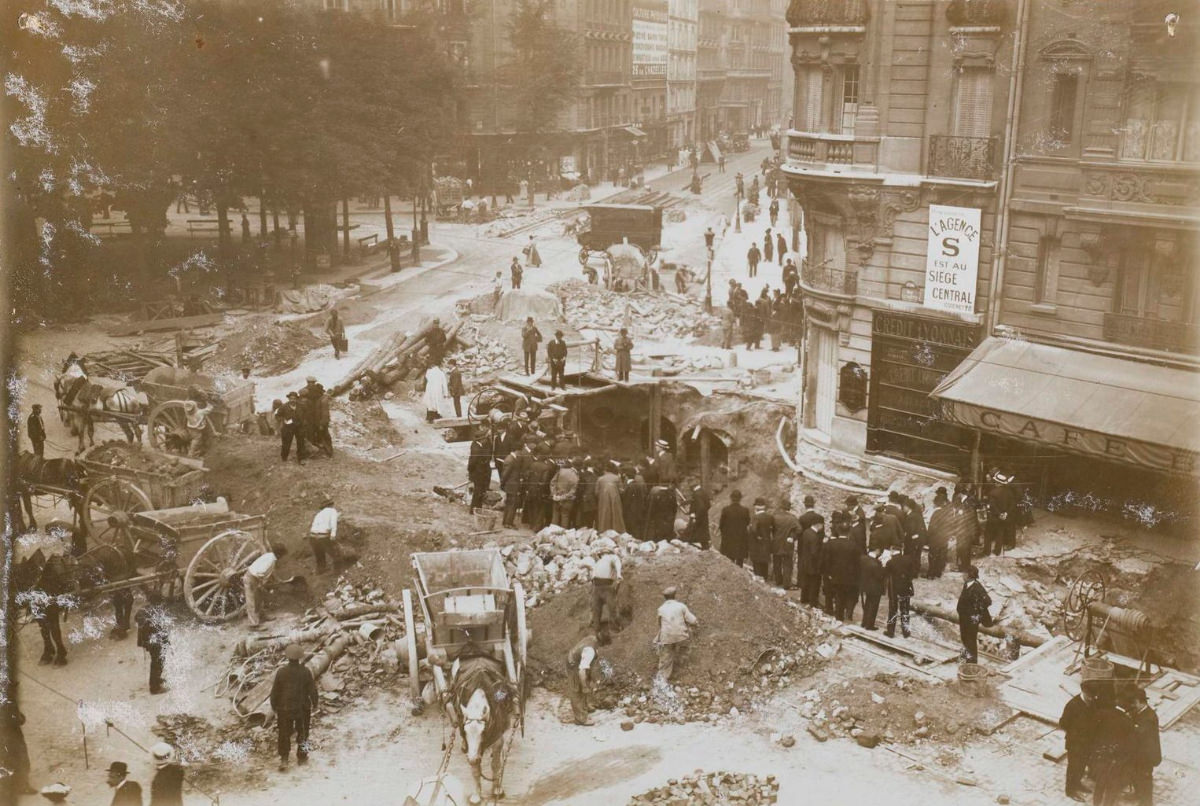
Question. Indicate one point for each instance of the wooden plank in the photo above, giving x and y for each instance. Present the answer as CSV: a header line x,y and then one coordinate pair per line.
x,y
917,648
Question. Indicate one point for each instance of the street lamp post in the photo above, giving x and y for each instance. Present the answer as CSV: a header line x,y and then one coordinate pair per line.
x,y
708,306
737,212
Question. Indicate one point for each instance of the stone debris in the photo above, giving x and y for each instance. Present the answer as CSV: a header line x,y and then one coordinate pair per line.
x,y
713,789
653,316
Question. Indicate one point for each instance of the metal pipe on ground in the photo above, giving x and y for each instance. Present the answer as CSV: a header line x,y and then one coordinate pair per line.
x,y
255,643
1026,638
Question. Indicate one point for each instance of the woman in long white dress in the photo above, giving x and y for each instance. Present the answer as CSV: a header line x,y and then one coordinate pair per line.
x,y
437,394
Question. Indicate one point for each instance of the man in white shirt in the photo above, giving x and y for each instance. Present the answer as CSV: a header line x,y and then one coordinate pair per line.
x,y
606,577
197,424
253,582
323,533
674,618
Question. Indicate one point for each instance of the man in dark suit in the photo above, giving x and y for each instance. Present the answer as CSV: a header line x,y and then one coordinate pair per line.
x,y
698,519
871,583
516,467
973,604
125,791
762,533
556,355
1078,723
37,431
1000,531
843,572
734,527
293,696
783,548
900,590
812,542
1147,751
479,470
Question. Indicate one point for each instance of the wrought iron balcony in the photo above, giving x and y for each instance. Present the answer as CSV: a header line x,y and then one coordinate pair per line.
x,y
1155,334
962,157
827,12
823,277
977,12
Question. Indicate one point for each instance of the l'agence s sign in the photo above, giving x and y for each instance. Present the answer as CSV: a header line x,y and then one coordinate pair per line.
x,y
952,259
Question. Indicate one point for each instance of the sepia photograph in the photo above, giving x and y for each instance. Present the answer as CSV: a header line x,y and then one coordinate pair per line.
x,y
600,402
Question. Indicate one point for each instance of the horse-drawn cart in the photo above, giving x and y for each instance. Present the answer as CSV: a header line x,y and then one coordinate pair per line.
x,y
475,622
169,390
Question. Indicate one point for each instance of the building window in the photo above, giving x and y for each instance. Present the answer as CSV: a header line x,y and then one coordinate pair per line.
x,y
1150,286
1045,278
973,102
848,108
1062,107
1162,122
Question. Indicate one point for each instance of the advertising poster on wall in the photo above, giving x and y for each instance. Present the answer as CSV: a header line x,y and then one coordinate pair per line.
x,y
650,39
952,259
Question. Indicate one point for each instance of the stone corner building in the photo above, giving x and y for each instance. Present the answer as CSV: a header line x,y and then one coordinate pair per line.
x,y
1073,128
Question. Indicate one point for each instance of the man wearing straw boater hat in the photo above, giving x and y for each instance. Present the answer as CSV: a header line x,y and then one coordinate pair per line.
x,y
1000,531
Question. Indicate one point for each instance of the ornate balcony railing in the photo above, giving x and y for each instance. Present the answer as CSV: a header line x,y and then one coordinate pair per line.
x,y
827,12
823,277
962,157
1155,334
832,149
977,12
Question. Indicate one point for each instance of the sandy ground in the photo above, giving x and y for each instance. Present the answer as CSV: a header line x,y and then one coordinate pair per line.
x,y
374,750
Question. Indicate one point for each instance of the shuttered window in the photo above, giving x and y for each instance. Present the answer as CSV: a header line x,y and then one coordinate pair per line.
x,y
808,101
973,102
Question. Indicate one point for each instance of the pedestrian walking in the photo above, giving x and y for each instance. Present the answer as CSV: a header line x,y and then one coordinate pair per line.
x,y
126,792
721,164
871,586
780,243
734,528
153,635
530,338
336,330
245,229
753,255
580,662
1146,752
624,349
287,420
674,621
556,356
319,404
166,788
36,429
773,210
741,185
973,604
293,696
709,238
515,273
436,394
46,602
768,249
322,534
254,583
532,258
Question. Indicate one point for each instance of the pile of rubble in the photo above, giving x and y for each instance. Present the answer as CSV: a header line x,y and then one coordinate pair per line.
x,y
890,708
484,355
654,316
117,453
265,346
560,557
713,789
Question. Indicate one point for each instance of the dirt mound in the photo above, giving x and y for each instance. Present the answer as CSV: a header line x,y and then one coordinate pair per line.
x,y
265,346
750,640
899,710
132,457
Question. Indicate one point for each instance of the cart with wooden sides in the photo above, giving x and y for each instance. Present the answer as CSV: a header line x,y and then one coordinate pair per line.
x,y
170,389
465,597
123,487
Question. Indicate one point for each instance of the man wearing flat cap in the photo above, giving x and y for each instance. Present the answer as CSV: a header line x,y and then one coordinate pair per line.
x,y
674,619
323,534
125,791
293,696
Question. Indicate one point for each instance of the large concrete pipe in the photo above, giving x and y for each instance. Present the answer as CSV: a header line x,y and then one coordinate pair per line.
x,y
1026,638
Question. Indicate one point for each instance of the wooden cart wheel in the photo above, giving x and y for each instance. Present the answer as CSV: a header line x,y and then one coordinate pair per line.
x,y
522,652
410,638
167,424
108,507
212,584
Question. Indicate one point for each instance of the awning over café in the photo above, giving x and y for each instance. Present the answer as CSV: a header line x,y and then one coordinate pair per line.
x,y
1111,408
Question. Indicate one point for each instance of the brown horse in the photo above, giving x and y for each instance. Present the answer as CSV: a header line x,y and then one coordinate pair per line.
x,y
481,703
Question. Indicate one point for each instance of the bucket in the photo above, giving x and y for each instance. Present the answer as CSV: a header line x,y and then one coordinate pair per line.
x,y
971,672
485,519
1096,668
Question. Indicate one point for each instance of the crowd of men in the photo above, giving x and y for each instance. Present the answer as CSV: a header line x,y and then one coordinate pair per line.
x,y
1112,740
303,418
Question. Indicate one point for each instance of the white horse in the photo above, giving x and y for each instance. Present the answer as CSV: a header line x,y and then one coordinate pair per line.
x,y
80,398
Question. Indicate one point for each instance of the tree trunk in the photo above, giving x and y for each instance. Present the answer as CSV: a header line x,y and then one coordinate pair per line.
x,y
393,255
224,236
262,215
275,224
345,228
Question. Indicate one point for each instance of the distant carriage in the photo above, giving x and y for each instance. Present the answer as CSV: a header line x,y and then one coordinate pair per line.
x,y
610,225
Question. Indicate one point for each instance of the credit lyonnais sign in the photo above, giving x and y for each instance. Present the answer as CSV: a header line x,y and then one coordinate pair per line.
x,y
952,259
1074,440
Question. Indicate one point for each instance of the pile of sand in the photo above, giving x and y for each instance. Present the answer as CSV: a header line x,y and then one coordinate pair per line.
x,y
750,640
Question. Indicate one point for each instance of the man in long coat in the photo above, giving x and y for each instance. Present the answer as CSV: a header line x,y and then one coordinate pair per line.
x,y
609,514
634,501
698,528
734,526
437,394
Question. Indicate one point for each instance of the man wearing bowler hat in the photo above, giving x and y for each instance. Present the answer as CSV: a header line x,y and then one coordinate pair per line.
x,y
125,791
